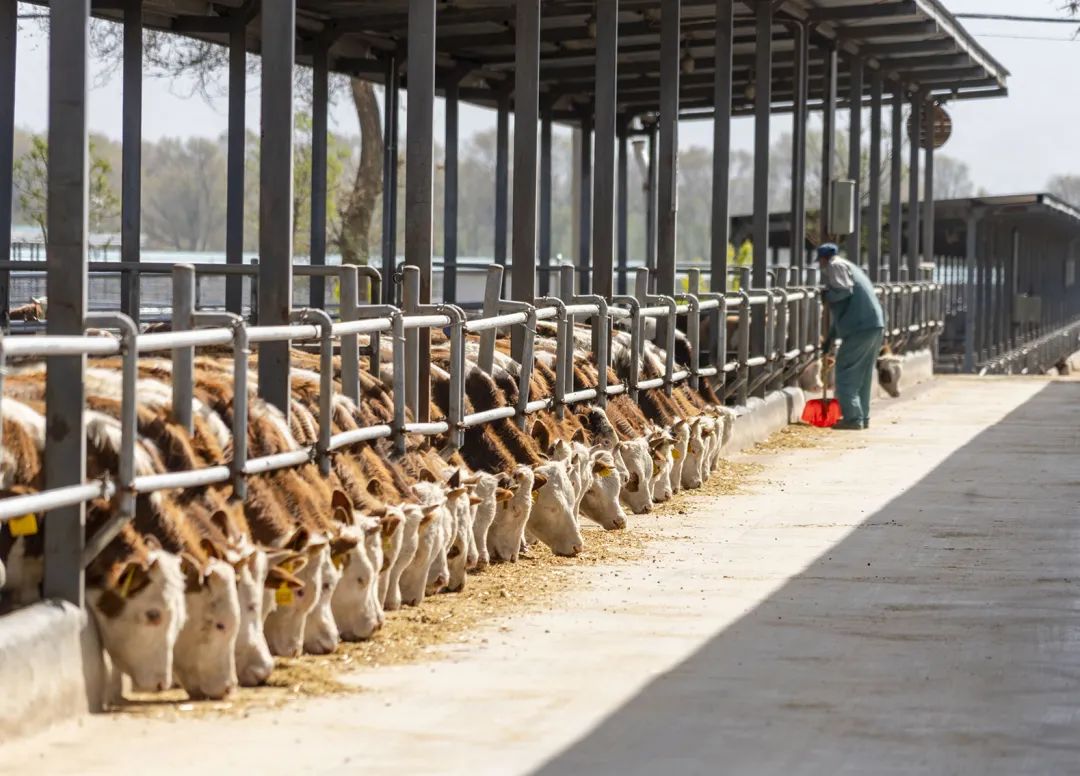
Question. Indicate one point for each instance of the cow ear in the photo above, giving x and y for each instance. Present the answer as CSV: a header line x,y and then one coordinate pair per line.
x,y
539,481
276,577
343,543
579,436
375,488
502,494
427,475
340,500
342,516
221,520
299,540
454,493
474,500
212,549
193,576
540,434
152,542
678,424
389,524
455,479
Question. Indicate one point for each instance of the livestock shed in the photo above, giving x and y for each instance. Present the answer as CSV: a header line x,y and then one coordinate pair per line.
x,y
615,69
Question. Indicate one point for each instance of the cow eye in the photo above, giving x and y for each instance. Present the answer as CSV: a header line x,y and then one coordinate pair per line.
x,y
220,626
153,617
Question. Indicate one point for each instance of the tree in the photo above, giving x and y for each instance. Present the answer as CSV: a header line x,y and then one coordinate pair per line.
x,y
182,200
952,178
31,180
1067,187
358,205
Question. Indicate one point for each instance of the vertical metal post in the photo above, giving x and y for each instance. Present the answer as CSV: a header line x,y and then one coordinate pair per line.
x,y
65,453
183,359
410,301
969,292
450,197
545,205
896,184
1011,285
667,194
650,201
234,195
913,187
854,241
526,118
390,176
828,141
9,33
131,149
320,102
420,172
502,176
492,293
350,361
584,280
798,148
874,226
603,237
721,170
623,208
276,195
928,187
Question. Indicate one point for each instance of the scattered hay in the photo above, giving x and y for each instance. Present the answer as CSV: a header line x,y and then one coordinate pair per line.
x,y
797,437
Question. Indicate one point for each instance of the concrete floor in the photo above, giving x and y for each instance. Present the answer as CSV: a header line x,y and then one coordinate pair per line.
x,y
900,601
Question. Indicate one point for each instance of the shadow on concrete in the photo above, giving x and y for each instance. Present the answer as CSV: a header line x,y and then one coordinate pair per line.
x,y
940,636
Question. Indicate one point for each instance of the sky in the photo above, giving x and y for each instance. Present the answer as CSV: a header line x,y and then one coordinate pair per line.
x,y
1012,145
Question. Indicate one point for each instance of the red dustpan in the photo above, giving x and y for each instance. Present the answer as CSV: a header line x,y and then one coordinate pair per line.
x,y
823,412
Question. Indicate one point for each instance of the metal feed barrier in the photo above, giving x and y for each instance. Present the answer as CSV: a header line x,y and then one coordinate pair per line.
x,y
1034,356
777,334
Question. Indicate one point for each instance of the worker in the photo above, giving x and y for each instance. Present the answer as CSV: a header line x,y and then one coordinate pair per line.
x,y
859,323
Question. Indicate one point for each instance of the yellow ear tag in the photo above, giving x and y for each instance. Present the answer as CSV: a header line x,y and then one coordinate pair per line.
x,y
339,560
125,586
676,454
605,472
283,596
655,469
535,496
24,526
386,544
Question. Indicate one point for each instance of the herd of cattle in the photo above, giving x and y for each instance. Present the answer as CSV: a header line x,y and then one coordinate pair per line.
x,y
201,589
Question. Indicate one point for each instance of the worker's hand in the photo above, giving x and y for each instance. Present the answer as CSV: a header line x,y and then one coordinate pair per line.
x,y
829,361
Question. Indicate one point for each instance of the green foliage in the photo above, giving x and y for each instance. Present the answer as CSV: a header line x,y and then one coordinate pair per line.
x,y
31,181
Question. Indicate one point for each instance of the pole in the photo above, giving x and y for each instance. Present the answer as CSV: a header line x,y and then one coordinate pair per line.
x,y
854,241
584,280
896,185
545,205
450,197
9,34
526,118
913,187
603,238
623,206
237,135
928,187
667,194
762,115
828,142
798,156
502,176
721,171
390,186
320,101
131,150
874,227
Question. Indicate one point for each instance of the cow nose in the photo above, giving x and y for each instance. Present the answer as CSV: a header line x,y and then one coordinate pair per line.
x,y
620,522
578,548
161,686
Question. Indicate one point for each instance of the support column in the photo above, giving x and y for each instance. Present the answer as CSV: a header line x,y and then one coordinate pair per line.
x,y
623,205
650,203
896,185
131,150
970,297
390,177
798,141
420,172
854,240
874,225
603,238
545,205
828,142
450,197
913,187
583,277
68,209
762,116
526,119
667,200
721,171
9,33
237,135
502,177
320,100
928,186
276,195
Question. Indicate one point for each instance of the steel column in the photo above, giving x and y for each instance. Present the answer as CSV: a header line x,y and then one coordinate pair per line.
x,y
603,237
320,102
650,202
450,197
131,150
798,147
420,172
390,176
545,205
623,207
9,34
276,195
526,119
854,240
68,208
913,187
828,141
721,169
762,116
582,276
896,185
237,136
502,176
969,292
928,188
874,225
667,200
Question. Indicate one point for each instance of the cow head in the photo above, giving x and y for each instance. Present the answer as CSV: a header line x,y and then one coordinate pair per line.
x,y
680,439
357,555
513,504
139,617
413,583
205,660
635,459
485,487
286,623
601,501
414,520
660,444
552,519
696,455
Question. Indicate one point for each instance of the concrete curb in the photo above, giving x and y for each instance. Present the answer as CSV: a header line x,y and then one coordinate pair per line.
x,y
51,667
762,418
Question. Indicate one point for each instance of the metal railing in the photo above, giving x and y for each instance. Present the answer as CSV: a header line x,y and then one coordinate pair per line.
x,y
1037,355
718,343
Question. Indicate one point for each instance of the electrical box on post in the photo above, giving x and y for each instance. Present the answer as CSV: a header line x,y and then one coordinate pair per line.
x,y
842,214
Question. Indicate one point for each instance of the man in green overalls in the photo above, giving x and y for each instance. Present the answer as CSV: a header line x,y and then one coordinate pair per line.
x,y
858,321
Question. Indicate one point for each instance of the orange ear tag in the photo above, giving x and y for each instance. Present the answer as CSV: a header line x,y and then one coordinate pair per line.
x,y
676,454
24,526
283,596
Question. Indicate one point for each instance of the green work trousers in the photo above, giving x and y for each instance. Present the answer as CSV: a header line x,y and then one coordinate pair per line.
x,y
855,364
